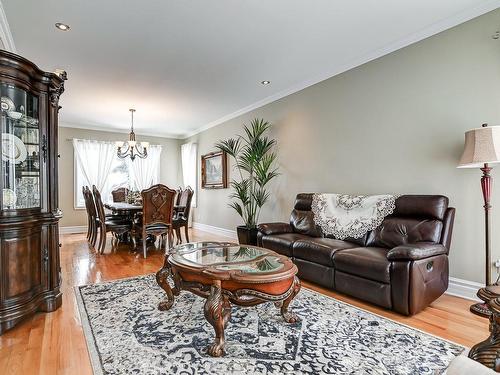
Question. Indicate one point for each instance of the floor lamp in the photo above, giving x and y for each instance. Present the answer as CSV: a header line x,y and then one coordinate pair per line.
x,y
482,148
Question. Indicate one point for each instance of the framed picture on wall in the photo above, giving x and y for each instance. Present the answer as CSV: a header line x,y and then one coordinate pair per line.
x,y
214,170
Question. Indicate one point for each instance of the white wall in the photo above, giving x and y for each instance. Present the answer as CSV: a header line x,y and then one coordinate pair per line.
x,y
393,125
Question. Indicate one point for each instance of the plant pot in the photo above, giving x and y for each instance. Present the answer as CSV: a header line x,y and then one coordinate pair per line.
x,y
247,236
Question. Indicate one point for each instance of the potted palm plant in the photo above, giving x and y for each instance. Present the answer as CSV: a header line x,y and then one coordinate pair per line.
x,y
254,159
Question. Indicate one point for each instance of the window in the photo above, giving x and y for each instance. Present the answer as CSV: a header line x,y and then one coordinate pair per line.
x,y
96,163
118,177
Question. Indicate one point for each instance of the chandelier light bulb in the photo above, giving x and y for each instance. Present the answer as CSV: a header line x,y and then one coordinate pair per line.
x,y
134,149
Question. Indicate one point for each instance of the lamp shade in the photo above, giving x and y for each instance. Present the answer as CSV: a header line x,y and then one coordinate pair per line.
x,y
482,146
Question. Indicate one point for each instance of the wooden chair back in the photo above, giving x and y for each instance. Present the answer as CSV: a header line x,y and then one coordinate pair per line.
x,y
178,196
86,199
89,202
157,205
185,199
98,205
120,194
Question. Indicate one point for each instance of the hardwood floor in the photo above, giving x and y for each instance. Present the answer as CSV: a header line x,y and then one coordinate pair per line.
x,y
53,344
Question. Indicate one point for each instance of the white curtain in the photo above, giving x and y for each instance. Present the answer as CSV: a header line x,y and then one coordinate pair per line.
x,y
146,172
95,160
189,158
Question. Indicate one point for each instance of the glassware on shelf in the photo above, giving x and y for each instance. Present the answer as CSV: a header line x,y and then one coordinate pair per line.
x,y
19,148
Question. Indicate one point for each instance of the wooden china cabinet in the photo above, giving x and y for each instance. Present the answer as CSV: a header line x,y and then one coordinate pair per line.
x,y
30,273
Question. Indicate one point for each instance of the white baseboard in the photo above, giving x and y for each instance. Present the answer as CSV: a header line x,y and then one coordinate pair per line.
x,y
216,230
75,229
463,288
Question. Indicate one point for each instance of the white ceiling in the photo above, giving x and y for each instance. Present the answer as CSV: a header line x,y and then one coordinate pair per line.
x,y
187,65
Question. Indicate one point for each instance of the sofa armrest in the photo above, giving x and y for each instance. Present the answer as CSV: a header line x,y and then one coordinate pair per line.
x,y
415,251
275,228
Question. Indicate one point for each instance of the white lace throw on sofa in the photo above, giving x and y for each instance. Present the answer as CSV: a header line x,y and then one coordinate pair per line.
x,y
343,215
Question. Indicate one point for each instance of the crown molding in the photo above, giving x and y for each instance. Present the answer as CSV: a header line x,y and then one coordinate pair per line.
x,y
5,34
429,31
104,128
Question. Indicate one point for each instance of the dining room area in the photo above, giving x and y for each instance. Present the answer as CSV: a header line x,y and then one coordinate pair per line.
x,y
128,197
156,216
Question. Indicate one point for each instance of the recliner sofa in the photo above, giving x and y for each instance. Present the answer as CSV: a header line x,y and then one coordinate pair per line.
x,y
402,265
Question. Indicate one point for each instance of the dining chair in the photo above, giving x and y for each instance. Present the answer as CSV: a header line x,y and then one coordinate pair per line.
x,y
120,194
87,209
156,218
107,224
178,197
182,211
92,213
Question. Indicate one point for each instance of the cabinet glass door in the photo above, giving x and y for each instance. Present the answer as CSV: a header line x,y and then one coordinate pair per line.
x,y
20,149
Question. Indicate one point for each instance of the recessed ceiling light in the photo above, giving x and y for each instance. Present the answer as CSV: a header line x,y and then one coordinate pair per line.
x,y
266,82
62,26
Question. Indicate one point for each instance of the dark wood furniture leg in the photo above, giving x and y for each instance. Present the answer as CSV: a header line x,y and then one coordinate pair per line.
x,y
487,352
102,239
186,233
93,239
144,244
217,313
162,280
178,235
89,228
289,316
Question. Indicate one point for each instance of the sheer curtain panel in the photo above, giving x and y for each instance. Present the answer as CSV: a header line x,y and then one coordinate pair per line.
x,y
95,160
188,159
146,172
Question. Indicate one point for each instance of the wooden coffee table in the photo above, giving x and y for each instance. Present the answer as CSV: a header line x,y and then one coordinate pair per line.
x,y
226,273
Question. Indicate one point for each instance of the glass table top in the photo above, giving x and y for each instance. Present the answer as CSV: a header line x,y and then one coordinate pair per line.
x,y
225,256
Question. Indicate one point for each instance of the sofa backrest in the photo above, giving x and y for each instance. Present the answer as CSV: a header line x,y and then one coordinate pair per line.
x,y
417,218
301,218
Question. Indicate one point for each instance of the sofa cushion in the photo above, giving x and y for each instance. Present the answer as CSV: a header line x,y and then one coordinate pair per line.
x,y
361,241
282,243
367,262
421,206
302,218
395,231
303,223
320,250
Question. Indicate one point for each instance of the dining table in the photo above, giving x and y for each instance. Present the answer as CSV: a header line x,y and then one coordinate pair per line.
x,y
123,208
126,211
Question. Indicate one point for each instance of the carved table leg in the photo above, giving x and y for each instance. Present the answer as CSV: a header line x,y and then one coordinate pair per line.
x,y
289,316
226,310
487,351
216,312
162,280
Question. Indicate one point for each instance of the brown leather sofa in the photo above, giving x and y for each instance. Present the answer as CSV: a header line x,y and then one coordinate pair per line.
x,y
401,265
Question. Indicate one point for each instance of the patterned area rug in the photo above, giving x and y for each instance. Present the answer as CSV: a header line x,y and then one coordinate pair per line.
x,y
127,334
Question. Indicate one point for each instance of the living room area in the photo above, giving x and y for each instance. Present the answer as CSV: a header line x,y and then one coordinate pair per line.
x,y
233,187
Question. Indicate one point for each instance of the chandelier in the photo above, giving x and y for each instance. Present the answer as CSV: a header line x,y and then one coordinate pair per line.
x,y
133,149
